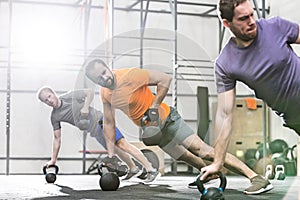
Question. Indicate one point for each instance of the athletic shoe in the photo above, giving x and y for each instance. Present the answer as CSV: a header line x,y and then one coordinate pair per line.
x,y
143,175
258,185
132,174
152,176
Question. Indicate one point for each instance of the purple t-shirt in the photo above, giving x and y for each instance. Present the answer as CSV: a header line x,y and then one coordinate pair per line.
x,y
269,66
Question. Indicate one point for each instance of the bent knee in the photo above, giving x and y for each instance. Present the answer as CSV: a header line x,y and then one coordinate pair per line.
x,y
184,156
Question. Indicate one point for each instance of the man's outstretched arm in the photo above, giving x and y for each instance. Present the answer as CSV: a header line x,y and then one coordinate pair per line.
x,y
109,127
223,126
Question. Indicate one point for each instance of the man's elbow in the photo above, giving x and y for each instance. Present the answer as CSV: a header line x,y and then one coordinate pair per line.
x,y
167,81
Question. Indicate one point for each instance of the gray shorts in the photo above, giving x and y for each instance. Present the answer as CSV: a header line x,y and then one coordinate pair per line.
x,y
175,130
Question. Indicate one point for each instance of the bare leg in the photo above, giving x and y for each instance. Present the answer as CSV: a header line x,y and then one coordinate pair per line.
x,y
178,152
203,150
188,157
135,152
126,158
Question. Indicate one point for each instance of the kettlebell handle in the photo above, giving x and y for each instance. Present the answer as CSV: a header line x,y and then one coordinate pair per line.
x,y
100,170
49,166
222,185
287,150
292,152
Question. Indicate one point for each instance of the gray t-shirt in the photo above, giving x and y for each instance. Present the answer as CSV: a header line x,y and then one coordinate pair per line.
x,y
269,66
69,111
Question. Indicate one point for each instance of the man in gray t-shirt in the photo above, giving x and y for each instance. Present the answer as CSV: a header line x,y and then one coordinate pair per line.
x,y
258,54
73,108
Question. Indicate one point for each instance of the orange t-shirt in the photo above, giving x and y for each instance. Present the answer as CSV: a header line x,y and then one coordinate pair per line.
x,y
132,94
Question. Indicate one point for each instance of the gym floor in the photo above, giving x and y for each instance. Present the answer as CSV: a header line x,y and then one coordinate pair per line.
x,y
165,187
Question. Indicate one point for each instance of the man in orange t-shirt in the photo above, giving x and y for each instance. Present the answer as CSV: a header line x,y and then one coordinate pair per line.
x,y
128,90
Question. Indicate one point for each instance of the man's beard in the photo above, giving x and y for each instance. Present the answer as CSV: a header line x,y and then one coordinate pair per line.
x,y
109,83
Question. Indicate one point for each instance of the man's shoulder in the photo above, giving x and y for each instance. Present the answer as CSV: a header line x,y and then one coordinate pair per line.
x,y
226,51
73,94
124,70
54,115
66,95
270,21
128,72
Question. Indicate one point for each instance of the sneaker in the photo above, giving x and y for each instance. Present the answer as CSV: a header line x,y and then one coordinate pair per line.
x,y
152,176
258,185
132,174
143,175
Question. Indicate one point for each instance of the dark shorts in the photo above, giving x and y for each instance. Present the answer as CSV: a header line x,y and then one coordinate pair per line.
x,y
99,135
290,121
175,129
295,127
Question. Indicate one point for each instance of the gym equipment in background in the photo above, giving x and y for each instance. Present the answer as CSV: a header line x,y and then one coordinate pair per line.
x,y
152,158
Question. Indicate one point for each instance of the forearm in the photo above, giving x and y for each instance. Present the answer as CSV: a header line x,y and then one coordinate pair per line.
x,y
161,92
223,130
162,82
109,127
110,135
88,100
224,117
55,148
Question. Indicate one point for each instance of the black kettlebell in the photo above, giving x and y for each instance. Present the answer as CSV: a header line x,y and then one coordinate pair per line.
x,y
50,173
212,193
151,134
84,122
109,181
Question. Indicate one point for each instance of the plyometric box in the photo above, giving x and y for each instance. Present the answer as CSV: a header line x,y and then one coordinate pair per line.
x,y
149,151
247,128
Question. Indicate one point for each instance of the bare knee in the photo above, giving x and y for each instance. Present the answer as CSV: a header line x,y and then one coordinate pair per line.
x,y
199,148
194,144
184,156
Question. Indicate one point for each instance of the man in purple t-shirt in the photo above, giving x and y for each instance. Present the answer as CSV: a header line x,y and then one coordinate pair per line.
x,y
258,54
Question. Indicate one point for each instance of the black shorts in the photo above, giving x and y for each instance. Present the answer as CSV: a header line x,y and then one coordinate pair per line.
x,y
294,126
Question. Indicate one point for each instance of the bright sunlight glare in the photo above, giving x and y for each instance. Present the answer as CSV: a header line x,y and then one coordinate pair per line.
x,y
43,39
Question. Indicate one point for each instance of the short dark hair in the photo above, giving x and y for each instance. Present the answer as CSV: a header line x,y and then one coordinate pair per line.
x,y
90,66
226,8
